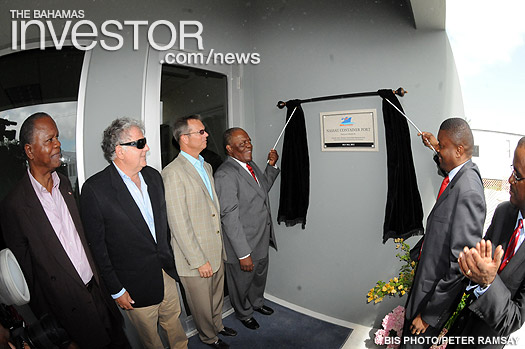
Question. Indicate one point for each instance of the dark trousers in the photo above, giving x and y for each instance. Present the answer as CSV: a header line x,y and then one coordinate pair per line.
x,y
112,323
421,341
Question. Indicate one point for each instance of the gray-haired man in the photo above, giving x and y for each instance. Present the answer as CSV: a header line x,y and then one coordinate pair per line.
x,y
124,215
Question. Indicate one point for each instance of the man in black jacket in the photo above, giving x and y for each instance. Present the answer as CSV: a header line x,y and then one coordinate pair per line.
x,y
124,214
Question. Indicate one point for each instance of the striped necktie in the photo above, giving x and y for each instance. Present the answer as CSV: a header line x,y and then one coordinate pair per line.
x,y
509,252
251,171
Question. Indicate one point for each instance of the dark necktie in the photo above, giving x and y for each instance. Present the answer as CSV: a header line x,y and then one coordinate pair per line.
x,y
444,184
509,252
251,171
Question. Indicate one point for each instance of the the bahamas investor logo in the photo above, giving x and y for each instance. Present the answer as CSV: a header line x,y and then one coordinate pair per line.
x,y
346,121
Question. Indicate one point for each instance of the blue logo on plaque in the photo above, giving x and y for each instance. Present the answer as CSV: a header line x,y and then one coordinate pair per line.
x,y
346,121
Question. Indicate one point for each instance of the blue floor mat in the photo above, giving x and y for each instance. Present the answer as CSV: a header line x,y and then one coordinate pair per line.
x,y
285,328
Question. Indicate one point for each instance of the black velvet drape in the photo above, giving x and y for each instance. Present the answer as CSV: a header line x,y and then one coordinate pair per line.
x,y
404,211
295,170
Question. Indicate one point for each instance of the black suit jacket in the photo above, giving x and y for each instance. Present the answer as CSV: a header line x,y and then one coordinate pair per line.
x,y
455,221
123,247
501,309
54,284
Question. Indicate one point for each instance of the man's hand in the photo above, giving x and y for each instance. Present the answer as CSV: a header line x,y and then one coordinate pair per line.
x,y
4,338
429,140
418,325
205,270
273,157
125,301
477,263
246,264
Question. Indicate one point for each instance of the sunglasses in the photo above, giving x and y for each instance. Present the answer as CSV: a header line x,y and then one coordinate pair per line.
x,y
201,132
139,143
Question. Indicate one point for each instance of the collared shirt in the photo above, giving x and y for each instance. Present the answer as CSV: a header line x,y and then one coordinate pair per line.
x,y
141,198
243,165
478,291
59,216
455,171
199,166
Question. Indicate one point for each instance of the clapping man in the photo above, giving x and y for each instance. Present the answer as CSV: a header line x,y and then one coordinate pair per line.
x,y
496,304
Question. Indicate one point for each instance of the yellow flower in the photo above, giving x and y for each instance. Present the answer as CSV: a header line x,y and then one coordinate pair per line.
x,y
396,279
403,292
384,288
400,287
370,299
397,246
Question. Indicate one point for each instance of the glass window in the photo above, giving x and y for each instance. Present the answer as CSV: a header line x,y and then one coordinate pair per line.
x,y
38,81
187,91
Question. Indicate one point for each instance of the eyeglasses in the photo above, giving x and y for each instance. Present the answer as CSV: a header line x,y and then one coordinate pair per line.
x,y
516,178
201,132
139,143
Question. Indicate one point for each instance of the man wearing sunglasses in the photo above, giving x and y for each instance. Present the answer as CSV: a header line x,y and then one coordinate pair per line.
x,y
124,215
195,224
496,304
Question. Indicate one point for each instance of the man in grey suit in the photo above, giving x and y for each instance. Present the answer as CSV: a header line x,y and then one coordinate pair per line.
x,y
496,305
247,224
455,221
194,220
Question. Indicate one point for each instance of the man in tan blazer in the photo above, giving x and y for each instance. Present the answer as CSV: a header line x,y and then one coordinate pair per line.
x,y
195,223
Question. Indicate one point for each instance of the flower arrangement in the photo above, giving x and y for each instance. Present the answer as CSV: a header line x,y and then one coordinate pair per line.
x,y
390,334
392,327
400,284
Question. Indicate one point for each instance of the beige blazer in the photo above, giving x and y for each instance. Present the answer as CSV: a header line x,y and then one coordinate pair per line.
x,y
193,217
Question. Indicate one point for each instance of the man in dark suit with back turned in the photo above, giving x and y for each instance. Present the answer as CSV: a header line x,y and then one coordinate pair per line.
x,y
243,189
456,220
41,225
124,214
496,305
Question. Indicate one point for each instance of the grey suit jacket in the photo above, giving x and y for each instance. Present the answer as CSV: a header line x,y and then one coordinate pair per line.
x,y
501,309
245,210
455,221
193,217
